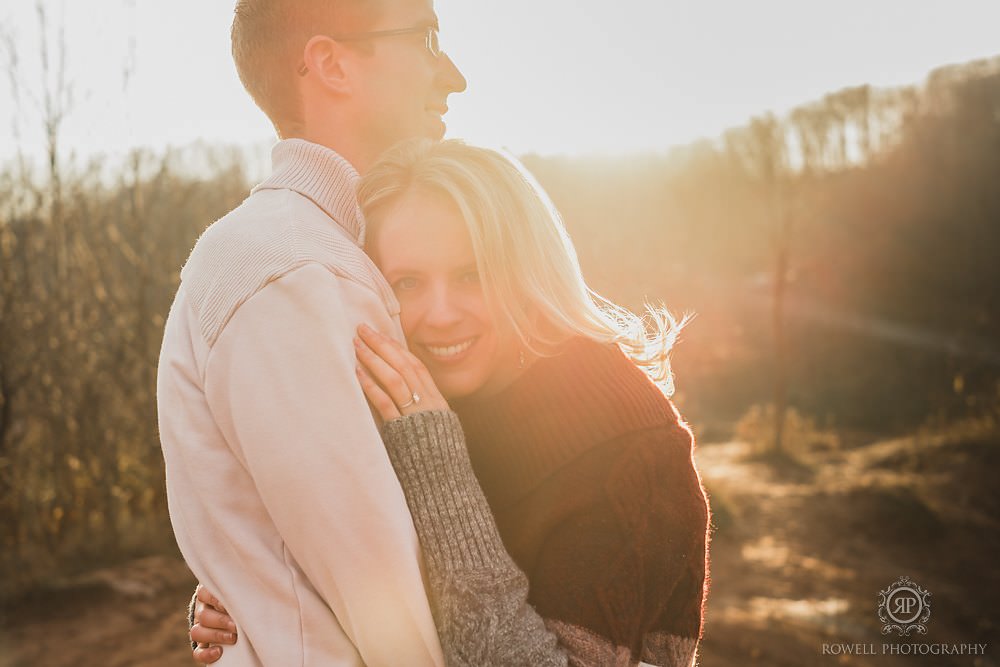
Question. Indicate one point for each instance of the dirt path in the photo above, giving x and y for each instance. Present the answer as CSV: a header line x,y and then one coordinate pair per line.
x,y
798,560
800,557
132,615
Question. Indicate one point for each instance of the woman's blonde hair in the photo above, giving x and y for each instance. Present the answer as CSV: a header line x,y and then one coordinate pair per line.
x,y
528,267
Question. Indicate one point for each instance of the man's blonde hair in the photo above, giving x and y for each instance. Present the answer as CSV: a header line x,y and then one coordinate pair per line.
x,y
528,267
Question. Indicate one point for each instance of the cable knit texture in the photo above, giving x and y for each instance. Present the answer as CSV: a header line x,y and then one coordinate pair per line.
x,y
310,185
479,596
582,472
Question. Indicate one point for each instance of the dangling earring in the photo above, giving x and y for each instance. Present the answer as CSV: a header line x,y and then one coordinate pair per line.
x,y
520,358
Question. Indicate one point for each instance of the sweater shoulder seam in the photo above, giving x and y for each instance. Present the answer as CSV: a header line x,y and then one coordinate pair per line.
x,y
229,265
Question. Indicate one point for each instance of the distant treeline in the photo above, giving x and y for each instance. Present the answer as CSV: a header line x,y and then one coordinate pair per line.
x,y
872,215
860,233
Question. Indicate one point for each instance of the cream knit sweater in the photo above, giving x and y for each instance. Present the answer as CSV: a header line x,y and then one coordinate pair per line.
x,y
281,494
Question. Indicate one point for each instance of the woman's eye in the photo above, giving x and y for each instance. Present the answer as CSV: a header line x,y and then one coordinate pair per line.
x,y
405,284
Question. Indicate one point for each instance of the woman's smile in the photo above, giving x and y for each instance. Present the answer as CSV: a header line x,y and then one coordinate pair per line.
x,y
449,353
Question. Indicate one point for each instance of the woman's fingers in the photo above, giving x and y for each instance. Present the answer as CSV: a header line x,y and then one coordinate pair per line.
x,y
206,596
380,400
213,625
215,620
391,352
430,389
399,383
398,372
388,348
206,655
208,635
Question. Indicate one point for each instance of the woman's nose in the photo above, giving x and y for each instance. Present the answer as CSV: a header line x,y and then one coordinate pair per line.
x,y
443,309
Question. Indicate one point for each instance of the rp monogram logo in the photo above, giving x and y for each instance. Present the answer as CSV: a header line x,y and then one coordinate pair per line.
x,y
904,607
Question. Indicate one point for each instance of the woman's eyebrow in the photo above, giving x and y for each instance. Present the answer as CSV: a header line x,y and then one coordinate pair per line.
x,y
465,268
400,269
391,269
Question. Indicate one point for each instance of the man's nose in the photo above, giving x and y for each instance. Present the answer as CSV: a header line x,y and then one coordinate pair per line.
x,y
449,76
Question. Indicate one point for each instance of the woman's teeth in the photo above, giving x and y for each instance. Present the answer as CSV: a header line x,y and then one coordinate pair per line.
x,y
451,350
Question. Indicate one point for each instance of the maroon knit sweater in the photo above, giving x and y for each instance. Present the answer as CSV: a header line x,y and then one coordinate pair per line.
x,y
589,472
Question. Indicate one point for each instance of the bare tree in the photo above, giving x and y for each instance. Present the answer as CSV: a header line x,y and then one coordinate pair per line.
x,y
762,149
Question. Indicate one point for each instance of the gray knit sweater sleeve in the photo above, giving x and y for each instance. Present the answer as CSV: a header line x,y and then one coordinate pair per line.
x,y
478,594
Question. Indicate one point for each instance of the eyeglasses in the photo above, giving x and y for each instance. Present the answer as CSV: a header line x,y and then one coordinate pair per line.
x,y
431,42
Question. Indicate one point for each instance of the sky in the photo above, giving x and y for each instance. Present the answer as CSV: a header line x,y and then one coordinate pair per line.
x,y
545,76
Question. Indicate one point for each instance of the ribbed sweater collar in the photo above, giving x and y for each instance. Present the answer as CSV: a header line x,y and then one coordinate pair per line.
x,y
558,409
321,175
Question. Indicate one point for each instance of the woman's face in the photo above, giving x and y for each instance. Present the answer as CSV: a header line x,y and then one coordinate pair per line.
x,y
424,250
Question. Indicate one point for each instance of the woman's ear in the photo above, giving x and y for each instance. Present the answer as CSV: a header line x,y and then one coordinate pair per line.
x,y
323,59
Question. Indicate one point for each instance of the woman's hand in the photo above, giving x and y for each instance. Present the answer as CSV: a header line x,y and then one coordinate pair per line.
x,y
212,625
394,380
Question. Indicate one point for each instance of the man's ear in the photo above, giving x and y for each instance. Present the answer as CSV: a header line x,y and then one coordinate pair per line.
x,y
323,58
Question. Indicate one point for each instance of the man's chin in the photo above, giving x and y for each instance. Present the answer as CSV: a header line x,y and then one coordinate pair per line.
x,y
436,128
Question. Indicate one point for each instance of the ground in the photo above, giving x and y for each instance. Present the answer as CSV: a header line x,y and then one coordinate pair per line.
x,y
799,556
802,551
